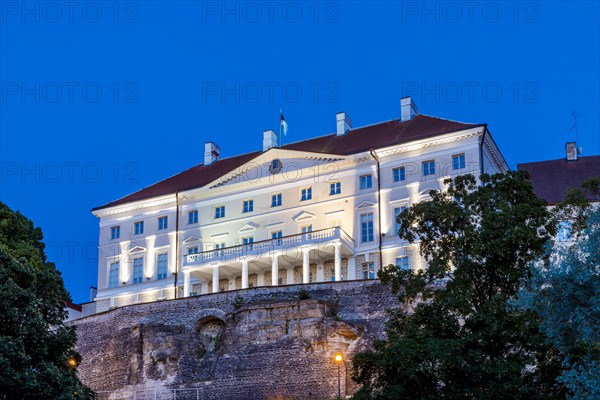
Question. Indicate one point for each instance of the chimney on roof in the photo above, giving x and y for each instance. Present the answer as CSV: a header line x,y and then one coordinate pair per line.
x,y
343,123
270,139
211,153
408,108
572,151
93,292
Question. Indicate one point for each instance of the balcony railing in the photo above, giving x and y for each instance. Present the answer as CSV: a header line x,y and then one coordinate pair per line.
x,y
240,251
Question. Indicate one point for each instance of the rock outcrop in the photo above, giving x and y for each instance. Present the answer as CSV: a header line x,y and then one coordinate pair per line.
x,y
263,343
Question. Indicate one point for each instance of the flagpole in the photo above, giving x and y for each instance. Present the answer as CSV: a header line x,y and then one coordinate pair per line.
x,y
280,135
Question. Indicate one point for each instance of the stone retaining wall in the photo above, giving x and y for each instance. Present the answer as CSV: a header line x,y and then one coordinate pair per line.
x,y
262,343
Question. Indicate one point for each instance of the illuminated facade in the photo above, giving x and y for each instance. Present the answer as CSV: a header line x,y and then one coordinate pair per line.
x,y
313,211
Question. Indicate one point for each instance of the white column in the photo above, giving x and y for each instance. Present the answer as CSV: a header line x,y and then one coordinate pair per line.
x,y
338,262
351,268
245,274
204,288
150,259
125,274
275,271
305,265
172,256
215,285
186,283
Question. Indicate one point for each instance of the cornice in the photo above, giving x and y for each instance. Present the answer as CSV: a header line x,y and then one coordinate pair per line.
x,y
139,205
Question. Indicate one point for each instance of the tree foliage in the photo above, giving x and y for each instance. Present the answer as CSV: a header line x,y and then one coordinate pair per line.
x,y
565,292
457,335
575,207
35,345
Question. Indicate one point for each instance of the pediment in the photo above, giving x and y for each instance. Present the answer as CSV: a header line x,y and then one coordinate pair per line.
x,y
289,165
137,249
303,216
365,204
191,239
250,226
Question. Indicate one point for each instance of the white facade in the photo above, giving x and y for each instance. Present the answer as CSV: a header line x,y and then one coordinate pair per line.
x,y
329,236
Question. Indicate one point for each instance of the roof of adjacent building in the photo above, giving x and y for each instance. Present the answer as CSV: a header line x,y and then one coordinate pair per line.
x,y
355,141
552,179
73,306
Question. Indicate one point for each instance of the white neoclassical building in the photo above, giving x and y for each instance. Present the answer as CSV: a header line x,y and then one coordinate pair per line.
x,y
318,210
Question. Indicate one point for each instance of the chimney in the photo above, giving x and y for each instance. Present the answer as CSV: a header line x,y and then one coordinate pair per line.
x,y
408,108
211,153
93,292
343,123
270,139
572,151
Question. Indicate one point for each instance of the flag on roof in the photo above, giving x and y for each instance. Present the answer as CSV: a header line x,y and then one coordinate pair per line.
x,y
282,124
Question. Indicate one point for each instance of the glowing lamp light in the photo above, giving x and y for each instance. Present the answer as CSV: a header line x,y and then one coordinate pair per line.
x,y
72,362
338,358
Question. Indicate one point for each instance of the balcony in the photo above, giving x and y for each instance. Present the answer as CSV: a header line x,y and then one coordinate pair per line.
x,y
286,245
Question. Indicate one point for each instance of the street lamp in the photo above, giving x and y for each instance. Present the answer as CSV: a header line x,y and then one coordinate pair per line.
x,y
339,359
72,361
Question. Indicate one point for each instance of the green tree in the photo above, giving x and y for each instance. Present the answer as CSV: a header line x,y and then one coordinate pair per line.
x,y
575,207
37,356
565,292
457,335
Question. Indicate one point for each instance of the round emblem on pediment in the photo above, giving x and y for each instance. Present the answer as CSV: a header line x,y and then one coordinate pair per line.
x,y
275,166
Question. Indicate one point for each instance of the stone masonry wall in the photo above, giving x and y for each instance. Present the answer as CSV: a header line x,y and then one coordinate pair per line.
x,y
262,343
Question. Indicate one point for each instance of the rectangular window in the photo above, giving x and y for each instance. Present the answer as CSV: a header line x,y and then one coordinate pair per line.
x,y
402,262
564,231
332,223
193,217
163,223
458,161
399,174
115,232
428,168
113,279
306,194
219,248
306,230
397,211
193,250
219,212
366,182
248,206
366,227
248,241
162,265
335,188
368,271
138,270
138,228
276,200
277,235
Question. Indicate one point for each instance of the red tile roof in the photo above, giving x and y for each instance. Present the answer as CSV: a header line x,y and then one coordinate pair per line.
x,y
553,178
73,306
355,141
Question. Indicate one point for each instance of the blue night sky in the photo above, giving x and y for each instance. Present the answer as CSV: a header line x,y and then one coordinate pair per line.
x,y
104,98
